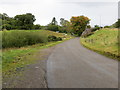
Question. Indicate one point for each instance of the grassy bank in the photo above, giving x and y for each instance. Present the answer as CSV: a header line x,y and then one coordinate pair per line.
x,y
20,38
104,41
15,59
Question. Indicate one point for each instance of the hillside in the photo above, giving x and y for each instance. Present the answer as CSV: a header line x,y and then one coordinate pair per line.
x,y
104,41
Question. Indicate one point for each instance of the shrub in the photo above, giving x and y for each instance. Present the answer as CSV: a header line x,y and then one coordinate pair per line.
x,y
107,26
59,39
36,27
95,28
6,26
54,38
53,27
51,38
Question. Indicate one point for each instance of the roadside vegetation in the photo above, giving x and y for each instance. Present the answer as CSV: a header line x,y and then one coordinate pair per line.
x,y
104,41
20,38
18,53
75,26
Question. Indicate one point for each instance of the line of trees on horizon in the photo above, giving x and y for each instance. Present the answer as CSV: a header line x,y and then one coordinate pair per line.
x,y
23,22
76,25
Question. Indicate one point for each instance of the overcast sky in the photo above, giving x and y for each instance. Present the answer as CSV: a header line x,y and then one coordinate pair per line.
x,y
101,12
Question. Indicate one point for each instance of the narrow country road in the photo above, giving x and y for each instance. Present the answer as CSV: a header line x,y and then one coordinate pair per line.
x,y
73,66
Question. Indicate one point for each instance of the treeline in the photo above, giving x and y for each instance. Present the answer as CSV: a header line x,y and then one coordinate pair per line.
x,y
75,26
23,22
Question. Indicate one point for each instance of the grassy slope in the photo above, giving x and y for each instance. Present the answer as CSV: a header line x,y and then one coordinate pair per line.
x,y
104,41
16,58
42,31
20,38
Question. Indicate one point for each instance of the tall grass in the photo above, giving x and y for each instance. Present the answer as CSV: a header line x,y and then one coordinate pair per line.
x,y
22,38
104,41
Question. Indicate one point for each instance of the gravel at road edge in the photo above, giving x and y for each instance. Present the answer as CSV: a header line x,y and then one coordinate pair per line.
x,y
33,75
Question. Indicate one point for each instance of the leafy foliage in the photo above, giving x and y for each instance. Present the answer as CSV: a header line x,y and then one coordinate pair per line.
x,y
65,26
36,27
52,27
79,24
54,38
88,26
96,27
7,22
24,21
107,26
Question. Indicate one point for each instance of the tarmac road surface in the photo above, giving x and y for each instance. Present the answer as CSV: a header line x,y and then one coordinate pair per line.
x,y
72,66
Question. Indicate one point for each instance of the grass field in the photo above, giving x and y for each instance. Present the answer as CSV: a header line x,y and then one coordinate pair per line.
x,y
104,41
14,59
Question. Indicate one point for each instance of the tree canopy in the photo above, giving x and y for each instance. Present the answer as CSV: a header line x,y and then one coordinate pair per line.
x,y
65,26
76,25
79,24
25,21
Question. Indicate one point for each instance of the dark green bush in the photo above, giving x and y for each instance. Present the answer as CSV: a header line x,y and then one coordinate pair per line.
x,y
59,39
36,27
7,26
54,38
53,27
107,26
96,27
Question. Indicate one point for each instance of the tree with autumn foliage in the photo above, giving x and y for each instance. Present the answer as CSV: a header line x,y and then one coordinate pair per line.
x,y
79,24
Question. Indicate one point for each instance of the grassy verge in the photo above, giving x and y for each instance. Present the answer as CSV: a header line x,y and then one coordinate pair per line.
x,y
15,59
104,41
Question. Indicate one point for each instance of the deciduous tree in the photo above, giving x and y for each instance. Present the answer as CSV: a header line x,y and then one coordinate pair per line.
x,y
25,21
79,24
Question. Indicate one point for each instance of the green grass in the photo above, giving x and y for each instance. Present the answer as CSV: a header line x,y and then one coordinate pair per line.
x,y
14,59
20,38
17,58
104,41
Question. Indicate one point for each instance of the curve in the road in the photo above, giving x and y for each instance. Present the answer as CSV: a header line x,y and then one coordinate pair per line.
x,y
73,66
